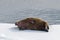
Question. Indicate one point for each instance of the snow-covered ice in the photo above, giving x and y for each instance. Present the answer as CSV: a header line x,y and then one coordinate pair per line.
x,y
11,32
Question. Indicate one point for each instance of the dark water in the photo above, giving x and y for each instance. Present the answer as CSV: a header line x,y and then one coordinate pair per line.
x,y
52,16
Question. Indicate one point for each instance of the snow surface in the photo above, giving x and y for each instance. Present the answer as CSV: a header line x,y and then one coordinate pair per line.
x,y
11,32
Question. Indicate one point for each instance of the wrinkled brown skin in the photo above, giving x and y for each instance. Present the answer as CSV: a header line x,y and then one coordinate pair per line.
x,y
32,24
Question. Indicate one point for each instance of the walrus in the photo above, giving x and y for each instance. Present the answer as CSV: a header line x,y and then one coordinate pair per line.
x,y
32,24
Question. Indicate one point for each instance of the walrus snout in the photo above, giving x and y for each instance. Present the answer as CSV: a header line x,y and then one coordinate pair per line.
x,y
47,28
